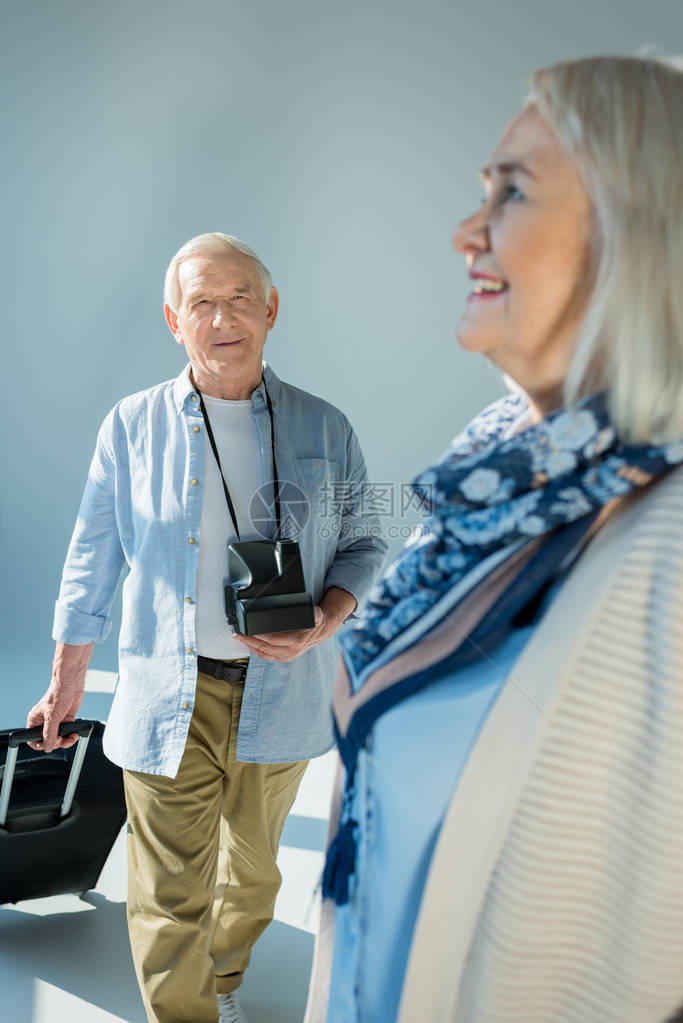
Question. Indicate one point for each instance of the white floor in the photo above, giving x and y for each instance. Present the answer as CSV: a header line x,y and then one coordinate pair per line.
x,y
68,959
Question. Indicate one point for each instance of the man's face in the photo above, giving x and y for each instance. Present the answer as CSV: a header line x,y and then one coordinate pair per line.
x,y
222,319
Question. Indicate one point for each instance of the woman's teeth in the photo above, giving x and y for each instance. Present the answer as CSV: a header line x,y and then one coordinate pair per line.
x,y
483,285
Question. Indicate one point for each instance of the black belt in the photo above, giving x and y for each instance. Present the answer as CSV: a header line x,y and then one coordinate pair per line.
x,y
226,671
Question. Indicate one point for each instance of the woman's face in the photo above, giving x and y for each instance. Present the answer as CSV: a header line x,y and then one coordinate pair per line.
x,y
529,242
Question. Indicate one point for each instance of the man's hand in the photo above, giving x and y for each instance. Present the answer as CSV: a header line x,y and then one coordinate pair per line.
x,y
334,608
63,697
286,646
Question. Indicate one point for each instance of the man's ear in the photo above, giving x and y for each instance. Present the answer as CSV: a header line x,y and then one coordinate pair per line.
x,y
272,306
172,321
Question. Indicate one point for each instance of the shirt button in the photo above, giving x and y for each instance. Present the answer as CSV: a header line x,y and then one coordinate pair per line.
x,y
186,706
188,600
193,398
194,482
196,429
190,650
191,539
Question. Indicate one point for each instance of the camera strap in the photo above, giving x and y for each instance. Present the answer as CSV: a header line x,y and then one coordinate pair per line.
x,y
212,442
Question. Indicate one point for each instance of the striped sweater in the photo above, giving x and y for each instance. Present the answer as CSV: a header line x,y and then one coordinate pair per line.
x,y
573,817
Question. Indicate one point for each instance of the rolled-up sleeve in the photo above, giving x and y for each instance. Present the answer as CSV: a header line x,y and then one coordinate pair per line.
x,y
361,548
95,558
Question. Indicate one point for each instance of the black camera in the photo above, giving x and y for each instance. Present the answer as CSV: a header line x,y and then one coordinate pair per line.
x,y
266,590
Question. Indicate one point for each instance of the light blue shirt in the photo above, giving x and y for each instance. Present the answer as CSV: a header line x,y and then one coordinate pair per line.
x,y
140,517
405,779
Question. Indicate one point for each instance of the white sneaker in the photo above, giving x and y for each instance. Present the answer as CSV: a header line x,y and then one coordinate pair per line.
x,y
230,1010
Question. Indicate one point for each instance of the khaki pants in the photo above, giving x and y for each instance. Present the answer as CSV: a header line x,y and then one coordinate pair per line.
x,y
202,871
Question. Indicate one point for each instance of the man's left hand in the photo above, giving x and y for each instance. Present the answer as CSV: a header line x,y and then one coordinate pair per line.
x,y
286,646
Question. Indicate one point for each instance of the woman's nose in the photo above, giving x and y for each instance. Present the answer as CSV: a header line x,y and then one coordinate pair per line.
x,y
472,234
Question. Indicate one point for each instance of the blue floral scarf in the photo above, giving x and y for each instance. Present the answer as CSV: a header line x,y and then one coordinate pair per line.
x,y
494,487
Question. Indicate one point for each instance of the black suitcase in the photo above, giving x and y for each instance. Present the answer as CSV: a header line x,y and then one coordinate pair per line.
x,y
60,812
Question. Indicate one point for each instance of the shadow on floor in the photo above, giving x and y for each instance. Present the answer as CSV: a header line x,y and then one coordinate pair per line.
x,y
276,983
85,953
305,833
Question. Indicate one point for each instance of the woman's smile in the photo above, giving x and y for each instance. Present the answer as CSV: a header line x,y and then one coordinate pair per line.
x,y
486,287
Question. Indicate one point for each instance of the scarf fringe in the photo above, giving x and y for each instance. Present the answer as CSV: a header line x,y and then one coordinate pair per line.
x,y
340,863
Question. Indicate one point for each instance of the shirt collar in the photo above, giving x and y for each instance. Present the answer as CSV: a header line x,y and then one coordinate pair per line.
x,y
183,389
272,382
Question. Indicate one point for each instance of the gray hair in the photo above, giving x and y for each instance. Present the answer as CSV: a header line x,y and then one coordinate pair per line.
x,y
621,120
204,244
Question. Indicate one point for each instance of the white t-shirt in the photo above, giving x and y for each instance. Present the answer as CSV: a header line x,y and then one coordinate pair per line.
x,y
237,440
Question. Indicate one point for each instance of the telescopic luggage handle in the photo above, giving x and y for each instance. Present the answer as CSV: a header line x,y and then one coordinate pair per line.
x,y
84,730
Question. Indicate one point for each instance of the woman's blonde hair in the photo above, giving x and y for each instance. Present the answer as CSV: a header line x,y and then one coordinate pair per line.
x,y
621,121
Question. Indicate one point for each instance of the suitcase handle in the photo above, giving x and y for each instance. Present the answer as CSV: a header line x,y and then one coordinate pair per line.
x,y
35,734
82,727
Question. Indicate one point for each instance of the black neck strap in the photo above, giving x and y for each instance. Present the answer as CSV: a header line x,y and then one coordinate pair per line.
x,y
212,442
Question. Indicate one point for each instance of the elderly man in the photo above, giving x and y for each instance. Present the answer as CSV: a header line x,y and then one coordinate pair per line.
x,y
213,728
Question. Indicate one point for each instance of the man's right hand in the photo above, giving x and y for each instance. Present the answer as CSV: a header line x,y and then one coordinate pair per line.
x,y
63,697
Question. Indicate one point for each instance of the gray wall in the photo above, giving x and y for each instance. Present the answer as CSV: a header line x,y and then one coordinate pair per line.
x,y
341,140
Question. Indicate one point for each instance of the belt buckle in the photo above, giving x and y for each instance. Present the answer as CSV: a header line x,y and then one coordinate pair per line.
x,y
240,669
231,672
215,667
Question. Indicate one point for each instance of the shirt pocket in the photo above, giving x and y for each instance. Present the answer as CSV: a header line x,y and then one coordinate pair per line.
x,y
315,469
317,478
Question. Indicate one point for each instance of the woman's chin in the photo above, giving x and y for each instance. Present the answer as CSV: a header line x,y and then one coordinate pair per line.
x,y
473,340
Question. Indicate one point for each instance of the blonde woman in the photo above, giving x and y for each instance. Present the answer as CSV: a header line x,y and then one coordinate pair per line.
x,y
507,835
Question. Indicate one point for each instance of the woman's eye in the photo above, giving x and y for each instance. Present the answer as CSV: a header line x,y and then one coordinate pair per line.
x,y
502,195
510,192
